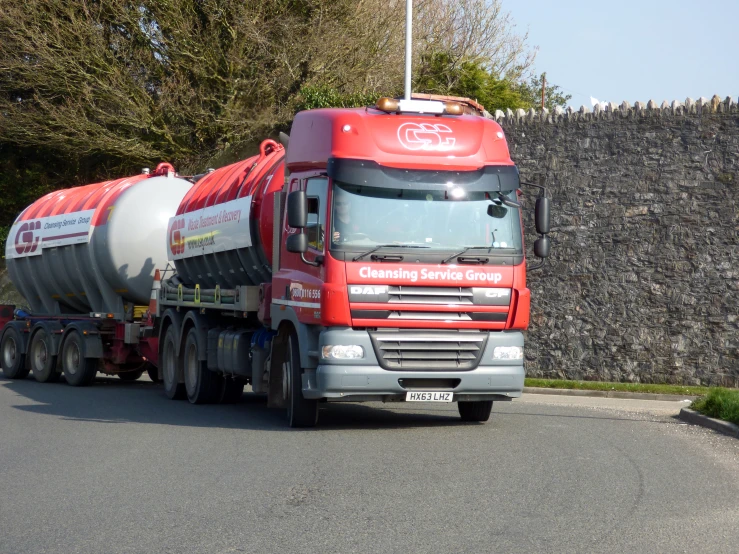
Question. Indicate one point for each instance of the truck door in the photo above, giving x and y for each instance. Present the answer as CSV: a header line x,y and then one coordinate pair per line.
x,y
303,281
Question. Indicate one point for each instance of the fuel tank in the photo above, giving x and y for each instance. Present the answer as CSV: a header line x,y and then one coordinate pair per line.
x,y
94,248
222,233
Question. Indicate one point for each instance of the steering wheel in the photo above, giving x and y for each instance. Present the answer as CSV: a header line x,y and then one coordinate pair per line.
x,y
355,236
386,218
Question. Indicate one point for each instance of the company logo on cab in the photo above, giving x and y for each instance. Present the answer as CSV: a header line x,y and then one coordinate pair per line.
x,y
176,240
432,137
25,240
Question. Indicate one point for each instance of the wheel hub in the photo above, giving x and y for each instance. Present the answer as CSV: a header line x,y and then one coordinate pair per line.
x,y
9,352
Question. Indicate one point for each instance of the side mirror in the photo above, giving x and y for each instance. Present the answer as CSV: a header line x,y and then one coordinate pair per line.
x,y
541,215
298,243
542,246
297,211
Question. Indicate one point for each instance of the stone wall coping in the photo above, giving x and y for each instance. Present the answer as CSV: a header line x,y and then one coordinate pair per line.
x,y
610,110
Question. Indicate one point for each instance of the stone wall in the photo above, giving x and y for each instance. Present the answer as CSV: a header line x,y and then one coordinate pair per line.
x,y
643,281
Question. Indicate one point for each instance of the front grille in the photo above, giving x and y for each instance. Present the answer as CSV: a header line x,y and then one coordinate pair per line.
x,y
428,351
430,295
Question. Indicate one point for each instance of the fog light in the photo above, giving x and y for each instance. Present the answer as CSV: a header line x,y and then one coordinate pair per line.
x,y
508,353
342,352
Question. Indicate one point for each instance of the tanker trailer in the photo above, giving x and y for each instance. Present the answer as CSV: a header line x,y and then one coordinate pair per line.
x,y
84,259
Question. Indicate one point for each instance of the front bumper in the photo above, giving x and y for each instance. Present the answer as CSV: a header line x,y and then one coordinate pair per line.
x,y
364,379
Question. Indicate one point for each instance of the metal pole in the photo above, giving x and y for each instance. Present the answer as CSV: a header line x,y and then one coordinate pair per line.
x,y
543,89
408,46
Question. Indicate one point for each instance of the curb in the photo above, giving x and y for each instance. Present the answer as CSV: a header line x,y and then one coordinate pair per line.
x,y
610,394
691,416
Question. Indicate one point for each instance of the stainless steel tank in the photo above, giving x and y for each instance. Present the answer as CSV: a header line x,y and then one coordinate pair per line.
x,y
94,248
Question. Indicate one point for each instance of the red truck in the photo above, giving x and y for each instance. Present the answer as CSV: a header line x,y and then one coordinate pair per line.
x,y
376,255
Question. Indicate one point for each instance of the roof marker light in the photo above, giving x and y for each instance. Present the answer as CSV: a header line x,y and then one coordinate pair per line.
x,y
346,128
388,104
457,193
453,108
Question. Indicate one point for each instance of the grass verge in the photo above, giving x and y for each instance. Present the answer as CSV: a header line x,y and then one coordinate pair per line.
x,y
719,403
625,387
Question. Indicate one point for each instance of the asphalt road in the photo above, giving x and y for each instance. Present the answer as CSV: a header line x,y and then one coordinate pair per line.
x,y
119,468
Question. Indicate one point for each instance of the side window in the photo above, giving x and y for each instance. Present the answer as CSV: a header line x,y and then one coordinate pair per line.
x,y
317,191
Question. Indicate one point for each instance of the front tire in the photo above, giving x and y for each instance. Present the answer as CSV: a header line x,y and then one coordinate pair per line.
x,y
301,412
478,410
171,369
11,355
42,361
78,370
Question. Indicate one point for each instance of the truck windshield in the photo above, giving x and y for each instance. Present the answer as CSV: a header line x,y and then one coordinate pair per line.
x,y
366,216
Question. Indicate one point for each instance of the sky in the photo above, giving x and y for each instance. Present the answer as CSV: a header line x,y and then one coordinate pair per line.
x,y
634,50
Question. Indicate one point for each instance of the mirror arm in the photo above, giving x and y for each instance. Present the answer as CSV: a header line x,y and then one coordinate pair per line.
x,y
318,261
543,188
537,266
507,201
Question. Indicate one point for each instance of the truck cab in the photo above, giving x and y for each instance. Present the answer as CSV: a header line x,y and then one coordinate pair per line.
x,y
401,265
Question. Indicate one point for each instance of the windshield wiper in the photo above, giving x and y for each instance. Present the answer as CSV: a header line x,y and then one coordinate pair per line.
x,y
457,254
376,248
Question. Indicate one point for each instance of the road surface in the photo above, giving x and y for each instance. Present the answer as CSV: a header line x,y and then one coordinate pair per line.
x,y
118,468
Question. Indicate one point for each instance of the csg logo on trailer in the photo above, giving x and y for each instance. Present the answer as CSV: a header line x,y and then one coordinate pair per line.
x,y
429,137
176,240
26,241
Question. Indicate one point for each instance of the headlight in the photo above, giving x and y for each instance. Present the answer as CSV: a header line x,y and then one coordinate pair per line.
x,y
342,352
508,353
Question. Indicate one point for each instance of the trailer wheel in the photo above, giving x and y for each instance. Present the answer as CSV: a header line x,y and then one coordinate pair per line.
x,y
78,370
43,363
171,369
232,390
478,410
13,359
201,384
301,412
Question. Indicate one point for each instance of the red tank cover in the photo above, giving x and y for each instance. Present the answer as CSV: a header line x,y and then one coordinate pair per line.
x,y
222,233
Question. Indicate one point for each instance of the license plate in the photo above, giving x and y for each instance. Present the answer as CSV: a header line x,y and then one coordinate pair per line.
x,y
428,397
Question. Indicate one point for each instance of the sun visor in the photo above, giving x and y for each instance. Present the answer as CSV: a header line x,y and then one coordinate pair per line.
x,y
502,178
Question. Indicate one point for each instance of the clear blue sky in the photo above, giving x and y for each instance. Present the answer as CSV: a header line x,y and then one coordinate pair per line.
x,y
634,49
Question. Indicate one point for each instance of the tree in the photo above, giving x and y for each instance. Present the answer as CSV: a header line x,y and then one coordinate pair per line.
x,y
553,95
92,89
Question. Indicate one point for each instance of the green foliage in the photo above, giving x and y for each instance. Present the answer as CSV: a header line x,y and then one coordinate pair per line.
x,y
323,96
719,403
651,388
553,95
441,73
91,90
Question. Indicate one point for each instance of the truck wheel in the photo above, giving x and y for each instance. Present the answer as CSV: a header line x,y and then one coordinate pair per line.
x,y
301,412
42,362
153,372
171,369
13,359
78,370
232,390
130,375
478,410
200,383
